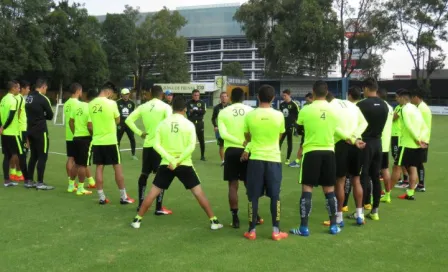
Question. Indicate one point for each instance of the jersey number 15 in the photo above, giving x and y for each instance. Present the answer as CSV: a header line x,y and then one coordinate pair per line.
x,y
174,127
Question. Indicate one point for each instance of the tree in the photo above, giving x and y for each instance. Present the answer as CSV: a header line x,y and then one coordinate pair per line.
x,y
295,37
422,25
232,69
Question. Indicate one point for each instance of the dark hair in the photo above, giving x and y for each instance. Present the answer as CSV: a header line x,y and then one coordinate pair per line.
x,y
11,84
309,95
41,82
179,103
320,88
405,92
287,91
329,96
370,83
91,94
355,92
109,86
399,91
382,93
195,91
237,95
24,84
266,93
418,93
74,87
156,91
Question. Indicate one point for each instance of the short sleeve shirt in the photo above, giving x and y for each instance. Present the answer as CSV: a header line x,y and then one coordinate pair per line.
x,y
231,124
103,112
69,106
81,117
10,103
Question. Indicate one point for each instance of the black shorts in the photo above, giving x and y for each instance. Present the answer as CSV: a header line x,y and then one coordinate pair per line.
x,y
425,155
234,169
70,147
409,157
151,161
385,161
394,145
263,178
106,155
82,150
372,156
186,174
348,159
318,169
11,145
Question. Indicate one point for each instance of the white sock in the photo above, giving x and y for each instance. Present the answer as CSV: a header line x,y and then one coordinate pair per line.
x,y
102,195
359,212
123,194
339,218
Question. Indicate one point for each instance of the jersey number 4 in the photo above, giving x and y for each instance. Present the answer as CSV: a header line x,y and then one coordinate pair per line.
x,y
322,116
97,109
174,127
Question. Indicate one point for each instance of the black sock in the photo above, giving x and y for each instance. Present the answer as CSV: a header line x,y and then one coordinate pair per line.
x,y
348,189
305,208
253,212
405,178
142,182
421,175
234,212
160,201
332,204
275,211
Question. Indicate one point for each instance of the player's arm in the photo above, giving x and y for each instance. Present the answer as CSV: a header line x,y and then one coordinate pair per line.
x,y
12,112
215,116
282,126
89,124
116,114
408,123
225,135
295,112
190,148
158,146
130,121
361,127
47,108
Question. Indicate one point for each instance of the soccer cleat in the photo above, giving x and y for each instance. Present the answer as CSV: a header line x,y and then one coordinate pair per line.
x,y
163,211
91,186
345,209
294,165
222,163
368,207
277,236
10,183
402,184
328,223
126,201
29,184
360,220
383,193
83,192
134,158
250,235
420,189
287,162
386,199
104,201
13,177
44,187
406,196
235,222
373,216
215,225
136,223
71,189
260,221
334,230
20,178
203,159
301,231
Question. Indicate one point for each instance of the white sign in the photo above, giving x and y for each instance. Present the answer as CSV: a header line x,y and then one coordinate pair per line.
x,y
251,103
182,88
438,110
356,54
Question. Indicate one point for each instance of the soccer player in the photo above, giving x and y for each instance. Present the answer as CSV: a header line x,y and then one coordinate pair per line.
x,y
348,157
69,105
290,111
396,132
263,128
20,171
414,137
105,118
9,131
81,127
308,99
375,111
38,112
152,113
296,162
224,103
168,97
417,99
175,141
126,107
195,113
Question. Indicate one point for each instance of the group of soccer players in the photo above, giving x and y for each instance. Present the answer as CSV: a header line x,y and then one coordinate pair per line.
x,y
344,142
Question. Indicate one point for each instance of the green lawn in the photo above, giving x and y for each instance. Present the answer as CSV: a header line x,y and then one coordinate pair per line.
x,y
58,231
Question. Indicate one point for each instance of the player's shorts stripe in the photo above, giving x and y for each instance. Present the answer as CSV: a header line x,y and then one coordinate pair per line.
x,y
45,143
19,144
89,155
401,156
196,173
301,169
118,154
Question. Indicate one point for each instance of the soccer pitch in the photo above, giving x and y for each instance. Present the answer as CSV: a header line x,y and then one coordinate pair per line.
x,y
58,231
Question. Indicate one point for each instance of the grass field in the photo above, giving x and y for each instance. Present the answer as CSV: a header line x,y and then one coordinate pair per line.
x,y
58,231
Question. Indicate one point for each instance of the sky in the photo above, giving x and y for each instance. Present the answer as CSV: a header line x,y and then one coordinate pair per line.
x,y
397,61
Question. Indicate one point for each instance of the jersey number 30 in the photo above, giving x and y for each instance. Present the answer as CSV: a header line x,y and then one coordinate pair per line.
x,y
239,112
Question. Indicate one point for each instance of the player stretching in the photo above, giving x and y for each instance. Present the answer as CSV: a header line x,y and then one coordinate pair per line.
x,y
105,118
417,99
81,127
195,112
9,131
263,128
414,137
69,105
175,141
152,113
290,111
224,103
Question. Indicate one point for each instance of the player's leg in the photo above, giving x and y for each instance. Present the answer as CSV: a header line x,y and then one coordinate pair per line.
x,y
200,135
131,137
421,172
70,157
412,159
33,155
376,185
282,139
42,162
347,192
255,188
232,169
386,175
112,157
7,155
144,175
233,203
99,180
289,132
120,133
82,155
273,179
221,150
327,180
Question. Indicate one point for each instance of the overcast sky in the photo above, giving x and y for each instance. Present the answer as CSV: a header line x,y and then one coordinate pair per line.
x,y
398,61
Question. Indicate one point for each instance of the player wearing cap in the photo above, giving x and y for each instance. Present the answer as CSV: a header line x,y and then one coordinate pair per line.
x,y
195,113
126,106
168,97
216,110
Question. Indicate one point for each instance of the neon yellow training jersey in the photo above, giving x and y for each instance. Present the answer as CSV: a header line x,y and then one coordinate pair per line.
x,y
81,118
231,124
265,126
413,127
69,106
152,113
22,113
427,117
396,125
103,113
387,131
351,119
175,140
10,103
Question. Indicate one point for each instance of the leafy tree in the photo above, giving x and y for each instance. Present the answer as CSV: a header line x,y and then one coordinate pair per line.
x,y
232,69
